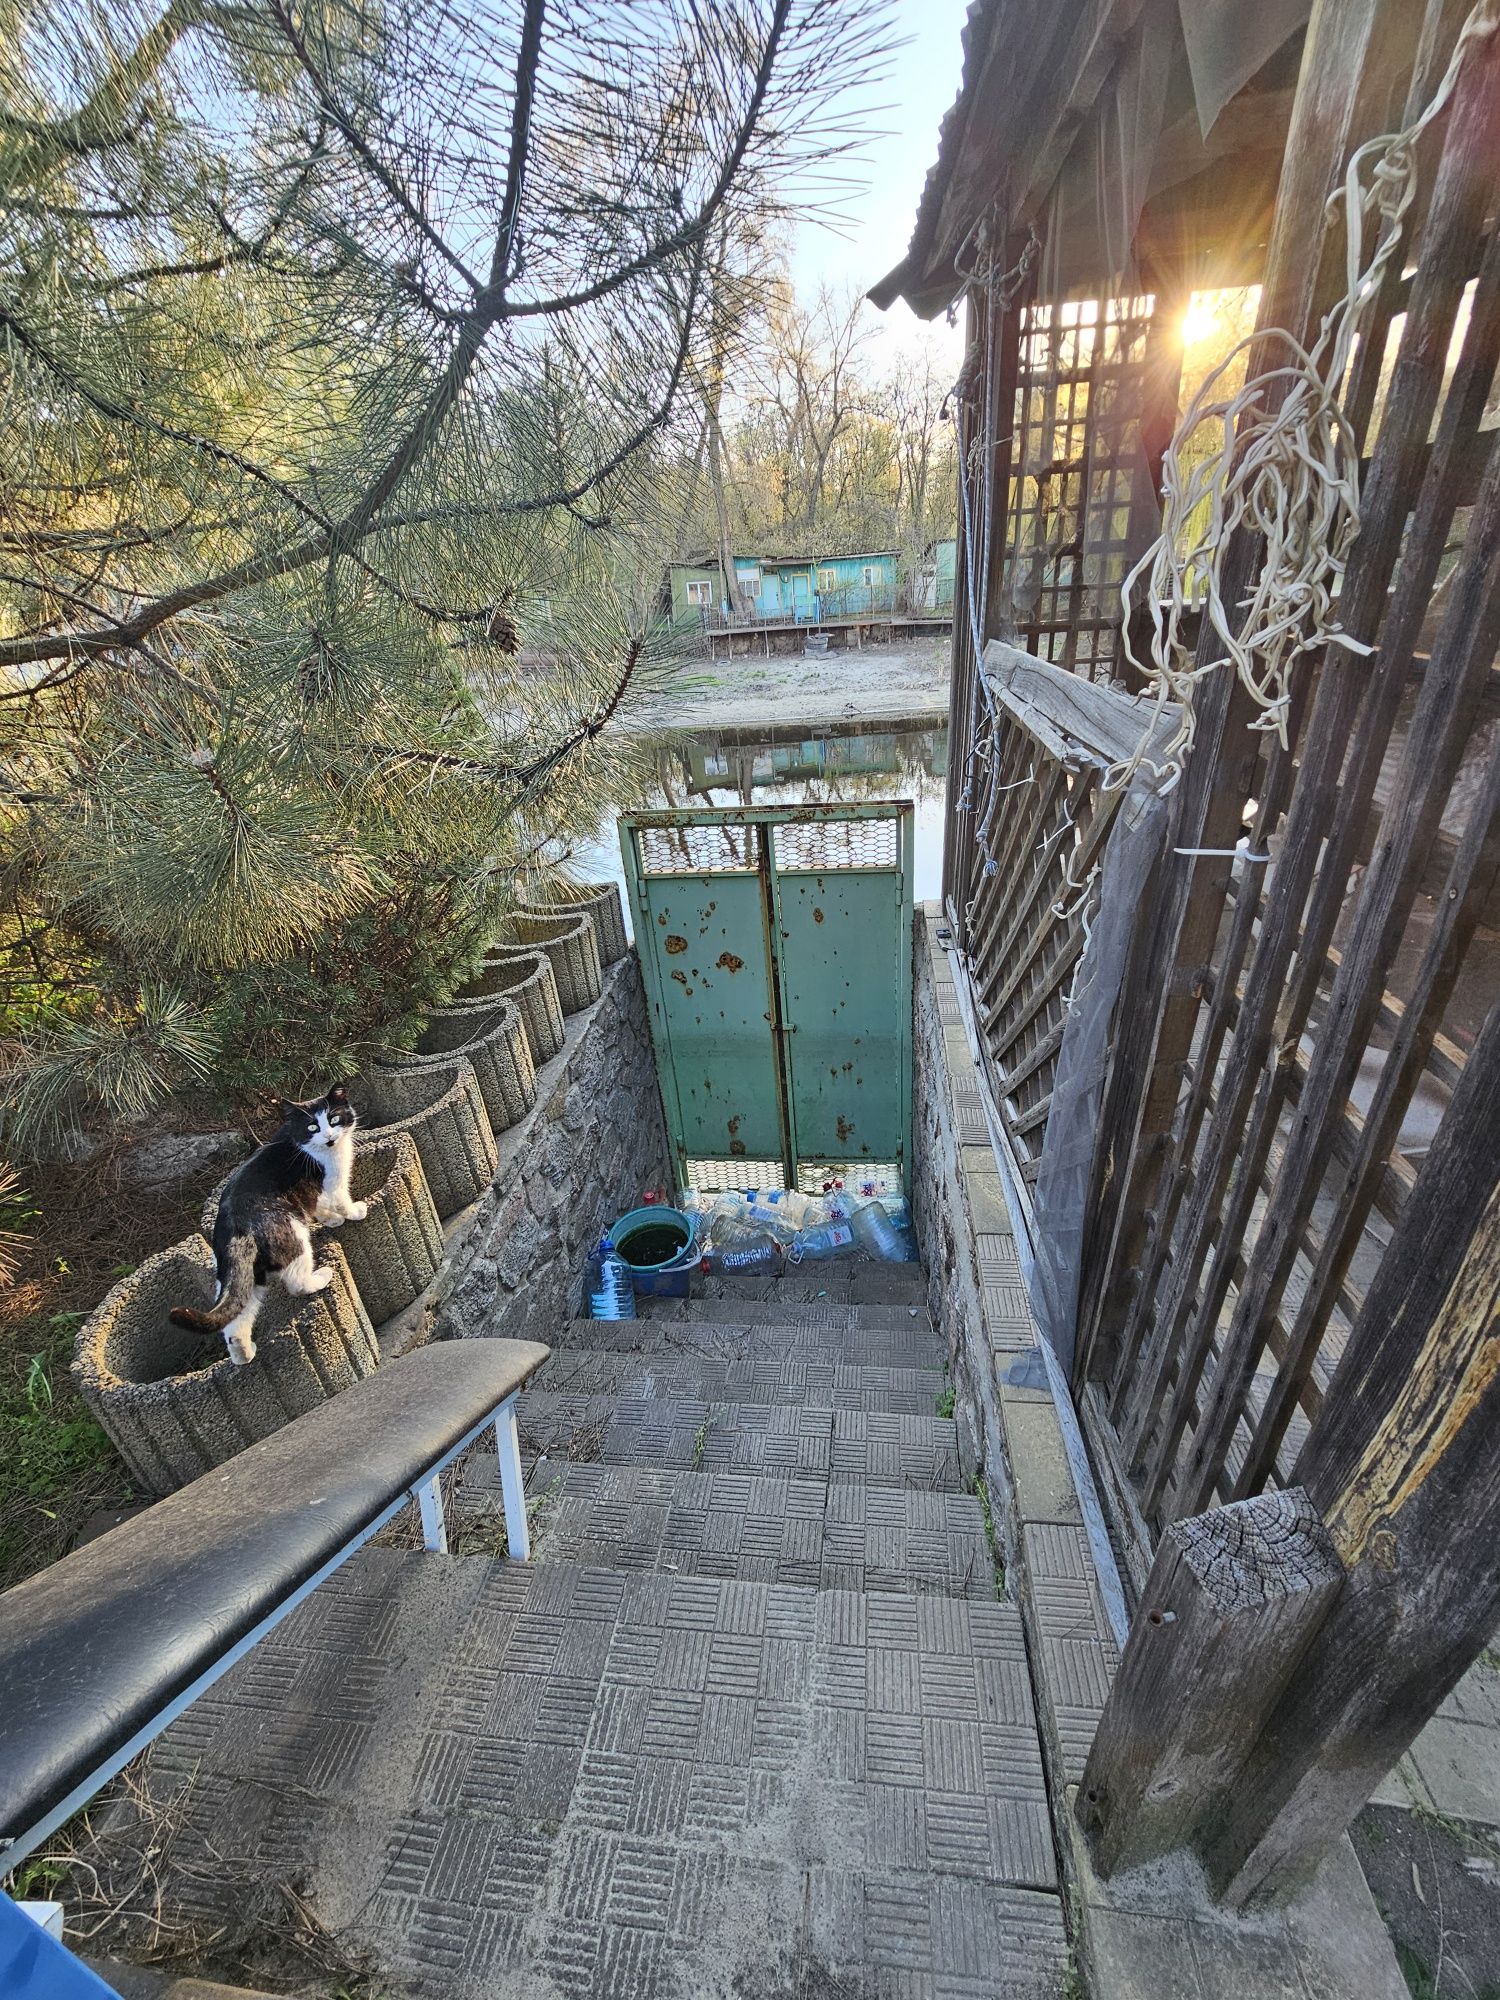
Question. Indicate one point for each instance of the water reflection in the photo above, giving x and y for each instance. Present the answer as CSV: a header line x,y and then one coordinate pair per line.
x,y
794,766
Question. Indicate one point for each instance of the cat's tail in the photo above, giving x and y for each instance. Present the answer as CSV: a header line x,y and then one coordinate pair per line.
x,y
236,1269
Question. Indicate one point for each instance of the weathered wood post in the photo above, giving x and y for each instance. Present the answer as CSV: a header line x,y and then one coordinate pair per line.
x,y
1254,1724
1232,1600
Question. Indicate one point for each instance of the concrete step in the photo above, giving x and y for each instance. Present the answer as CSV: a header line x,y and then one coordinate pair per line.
x,y
875,1347
846,1281
550,1778
837,1315
703,1435
765,1379
830,1534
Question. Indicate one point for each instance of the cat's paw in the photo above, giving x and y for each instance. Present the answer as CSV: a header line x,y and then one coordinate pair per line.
x,y
241,1348
358,1210
320,1280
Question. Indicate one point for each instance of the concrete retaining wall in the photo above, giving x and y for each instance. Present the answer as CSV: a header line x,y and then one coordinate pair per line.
x,y
572,944
439,1104
493,1039
525,978
171,1421
593,1144
600,900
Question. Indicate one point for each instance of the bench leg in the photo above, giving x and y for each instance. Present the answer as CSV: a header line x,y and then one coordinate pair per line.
x,y
434,1528
508,1445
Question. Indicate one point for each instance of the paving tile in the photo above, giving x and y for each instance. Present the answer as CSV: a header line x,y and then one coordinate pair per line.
x,y
753,1719
1459,1763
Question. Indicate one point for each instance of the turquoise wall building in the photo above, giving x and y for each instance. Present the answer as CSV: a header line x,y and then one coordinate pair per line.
x,y
789,589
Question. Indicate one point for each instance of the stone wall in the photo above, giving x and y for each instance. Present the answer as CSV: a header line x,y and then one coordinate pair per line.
x,y
594,1142
975,1292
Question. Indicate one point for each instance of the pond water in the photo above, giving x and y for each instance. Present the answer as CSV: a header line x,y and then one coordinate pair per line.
x,y
822,765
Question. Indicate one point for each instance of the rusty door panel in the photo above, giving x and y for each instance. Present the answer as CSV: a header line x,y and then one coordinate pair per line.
x,y
839,950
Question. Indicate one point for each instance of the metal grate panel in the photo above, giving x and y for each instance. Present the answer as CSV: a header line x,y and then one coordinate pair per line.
x,y
880,1179
817,846
728,1176
697,850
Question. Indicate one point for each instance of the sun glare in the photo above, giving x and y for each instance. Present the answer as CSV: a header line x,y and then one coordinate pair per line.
x,y
1199,322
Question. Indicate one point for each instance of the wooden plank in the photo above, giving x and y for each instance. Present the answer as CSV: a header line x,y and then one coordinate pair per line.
x,y
1404,1454
1104,721
1231,1601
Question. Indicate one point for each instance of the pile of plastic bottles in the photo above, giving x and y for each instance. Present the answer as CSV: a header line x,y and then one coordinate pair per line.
x,y
752,1232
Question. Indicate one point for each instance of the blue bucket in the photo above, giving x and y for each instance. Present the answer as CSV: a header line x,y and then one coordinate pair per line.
x,y
657,1276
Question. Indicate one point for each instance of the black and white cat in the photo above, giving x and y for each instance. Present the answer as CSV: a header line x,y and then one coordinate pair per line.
x,y
296,1182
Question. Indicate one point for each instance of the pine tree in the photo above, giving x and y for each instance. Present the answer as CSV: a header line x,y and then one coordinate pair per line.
x,y
337,339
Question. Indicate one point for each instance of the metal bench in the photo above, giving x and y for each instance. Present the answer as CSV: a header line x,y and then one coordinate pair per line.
x,y
101,1651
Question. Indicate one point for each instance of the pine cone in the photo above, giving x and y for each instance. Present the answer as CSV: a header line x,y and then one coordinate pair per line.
x,y
502,631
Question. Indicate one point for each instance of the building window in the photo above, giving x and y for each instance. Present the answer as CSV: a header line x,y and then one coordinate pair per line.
x,y
828,579
872,576
699,591
749,582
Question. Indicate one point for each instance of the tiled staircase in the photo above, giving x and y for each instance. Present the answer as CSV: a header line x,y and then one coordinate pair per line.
x,y
754,1722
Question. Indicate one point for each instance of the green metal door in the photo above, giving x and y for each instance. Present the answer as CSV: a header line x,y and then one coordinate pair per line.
x,y
775,943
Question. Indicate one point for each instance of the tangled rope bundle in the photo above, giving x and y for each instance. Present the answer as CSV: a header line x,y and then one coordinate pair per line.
x,y
1290,473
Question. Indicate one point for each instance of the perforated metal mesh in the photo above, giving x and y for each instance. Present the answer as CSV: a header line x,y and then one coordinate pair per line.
x,y
816,846
869,1178
719,1176
696,850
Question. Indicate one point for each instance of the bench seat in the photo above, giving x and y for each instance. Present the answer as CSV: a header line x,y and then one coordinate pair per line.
x,y
100,1651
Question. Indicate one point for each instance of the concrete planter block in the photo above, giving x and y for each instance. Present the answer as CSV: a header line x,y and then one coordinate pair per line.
x,y
493,1039
600,900
571,943
393,1253
171,1421
525,978
438,1105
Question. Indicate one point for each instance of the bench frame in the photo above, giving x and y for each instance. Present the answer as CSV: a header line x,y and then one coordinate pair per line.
x,y
427,1492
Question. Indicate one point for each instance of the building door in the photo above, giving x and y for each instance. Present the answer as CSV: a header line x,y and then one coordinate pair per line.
x,y
775,944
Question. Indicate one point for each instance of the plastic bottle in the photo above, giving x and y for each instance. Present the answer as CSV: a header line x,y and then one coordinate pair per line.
x,y
825,1240
610,1285
736,1232
898,1208
778,1207
759,1258
877,1235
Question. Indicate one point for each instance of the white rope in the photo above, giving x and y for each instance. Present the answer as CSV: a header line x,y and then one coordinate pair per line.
x,y
1291,474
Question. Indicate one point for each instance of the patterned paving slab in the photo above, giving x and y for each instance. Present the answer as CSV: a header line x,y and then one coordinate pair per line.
x,y
752,1725
761,1527
618,1798
834,1384
836,1313
877,1347
704,1435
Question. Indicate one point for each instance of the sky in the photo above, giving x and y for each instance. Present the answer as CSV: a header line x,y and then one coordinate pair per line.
x,y
903,145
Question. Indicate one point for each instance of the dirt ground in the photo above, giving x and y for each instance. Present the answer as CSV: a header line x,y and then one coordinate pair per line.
x,y
1437,1882
83,1228
905,681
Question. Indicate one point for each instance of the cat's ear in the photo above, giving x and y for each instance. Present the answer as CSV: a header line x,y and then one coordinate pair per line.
x,y
339,1094
289,1108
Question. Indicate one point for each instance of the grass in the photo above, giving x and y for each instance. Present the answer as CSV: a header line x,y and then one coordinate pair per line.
x,y
700,1442
945,1402
981,1493
82,1229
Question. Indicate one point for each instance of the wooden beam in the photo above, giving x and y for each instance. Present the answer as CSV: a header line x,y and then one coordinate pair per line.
x,y
1404,1466
1108,724
1231,1602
